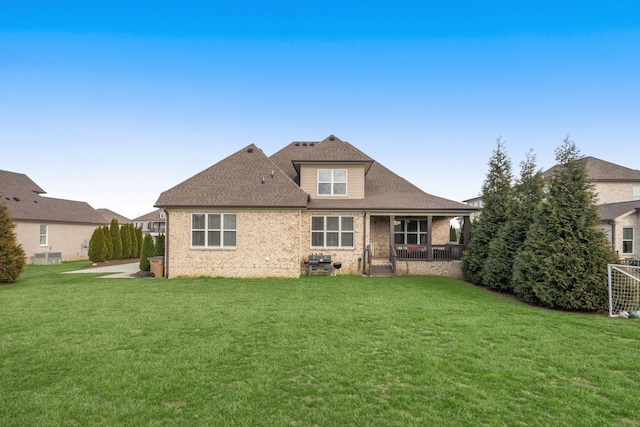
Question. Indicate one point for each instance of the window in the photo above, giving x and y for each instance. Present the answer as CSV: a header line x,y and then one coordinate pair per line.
x,y
636,192
44,235
332,182
332,231
213,230
410,232
627,240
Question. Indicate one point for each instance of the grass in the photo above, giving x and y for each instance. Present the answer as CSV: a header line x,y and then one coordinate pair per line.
x,y
81,350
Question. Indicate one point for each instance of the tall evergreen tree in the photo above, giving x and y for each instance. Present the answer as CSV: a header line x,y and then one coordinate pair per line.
x,y
116,239
97,245
563,263
126,241
453,236
108,242
495,194
158,249
147,251
12,256
140,240
526,197
135,249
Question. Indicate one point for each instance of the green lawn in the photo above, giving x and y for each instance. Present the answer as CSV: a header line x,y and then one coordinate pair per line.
x,y
326,351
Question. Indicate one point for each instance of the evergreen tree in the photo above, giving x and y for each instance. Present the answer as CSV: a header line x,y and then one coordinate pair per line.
x,y
140,240
135,249
147,251
526,198
563,263
453,237
495,194
108,242
12,256
97,245
126,241
116,239
158,249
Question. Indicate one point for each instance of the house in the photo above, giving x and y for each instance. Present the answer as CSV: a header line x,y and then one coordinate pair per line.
x,y
251,215
109,215
50,230
621,222
153,223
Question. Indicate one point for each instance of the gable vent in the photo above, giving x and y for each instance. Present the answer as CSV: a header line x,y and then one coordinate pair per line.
x,y
332,138
250,150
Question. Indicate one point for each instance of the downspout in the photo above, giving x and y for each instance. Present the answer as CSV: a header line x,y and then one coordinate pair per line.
x,y
166,245
613,235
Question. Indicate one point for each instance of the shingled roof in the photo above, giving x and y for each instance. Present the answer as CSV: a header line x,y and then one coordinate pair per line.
x,y
23,199
601,170
247,178
611,211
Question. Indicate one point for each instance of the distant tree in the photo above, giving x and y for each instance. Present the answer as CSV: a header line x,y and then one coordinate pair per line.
x,y
97,245
116,239
158,249
526,198
140,240
147,251
495,194
12,256
126,241
453,237
108,242
563,263
135,249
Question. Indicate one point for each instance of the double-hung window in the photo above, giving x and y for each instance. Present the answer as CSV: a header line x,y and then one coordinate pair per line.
x,y
636,192
627,240
332,182
213,230
332,231
44,235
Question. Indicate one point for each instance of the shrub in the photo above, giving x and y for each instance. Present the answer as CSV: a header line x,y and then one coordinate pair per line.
x,y
97,245
126,241
158,249
116,238
147,251
108,241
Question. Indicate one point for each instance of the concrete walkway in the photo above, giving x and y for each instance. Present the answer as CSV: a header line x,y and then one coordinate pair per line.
x,y
112,271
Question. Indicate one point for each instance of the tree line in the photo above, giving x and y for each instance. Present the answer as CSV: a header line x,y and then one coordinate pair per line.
x,y
115,241
539,238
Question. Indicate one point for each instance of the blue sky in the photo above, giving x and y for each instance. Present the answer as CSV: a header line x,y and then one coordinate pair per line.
x,y
113,103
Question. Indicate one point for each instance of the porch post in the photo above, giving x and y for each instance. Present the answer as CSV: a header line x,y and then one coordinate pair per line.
x,y
429,239
465,227
392,219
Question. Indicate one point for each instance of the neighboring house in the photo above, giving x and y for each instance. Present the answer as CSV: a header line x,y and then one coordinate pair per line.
x,y
256,216
612,183
621,222
109,215
49,229
153,223
476,202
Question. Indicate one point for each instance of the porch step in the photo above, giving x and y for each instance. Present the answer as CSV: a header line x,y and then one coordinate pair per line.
x,y
382,271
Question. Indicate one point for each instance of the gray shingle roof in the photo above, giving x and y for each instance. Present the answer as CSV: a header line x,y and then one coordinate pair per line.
x,y
244,179
601,170
108,215
237,182
24,202
611,211
151,216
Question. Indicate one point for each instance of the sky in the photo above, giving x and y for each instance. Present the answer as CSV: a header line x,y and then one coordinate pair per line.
x,y
114,102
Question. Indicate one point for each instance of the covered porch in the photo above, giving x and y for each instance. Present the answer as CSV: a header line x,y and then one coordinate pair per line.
x,y
413,238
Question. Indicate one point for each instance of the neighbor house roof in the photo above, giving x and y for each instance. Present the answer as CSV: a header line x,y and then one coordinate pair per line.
x,y
24,201
601,170
151,216
108,215
247,178
611,211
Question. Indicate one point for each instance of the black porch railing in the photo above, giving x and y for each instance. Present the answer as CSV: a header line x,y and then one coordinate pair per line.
x,y
446,252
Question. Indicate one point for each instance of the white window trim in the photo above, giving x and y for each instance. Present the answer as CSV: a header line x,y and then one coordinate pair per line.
x,y
636,192
206,230
339,231
46,235
632,240
332,182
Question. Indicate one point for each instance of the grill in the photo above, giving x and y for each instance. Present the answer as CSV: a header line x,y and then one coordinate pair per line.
x,y
319,264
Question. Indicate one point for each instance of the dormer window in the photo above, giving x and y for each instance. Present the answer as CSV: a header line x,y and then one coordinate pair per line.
x,y
332,182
